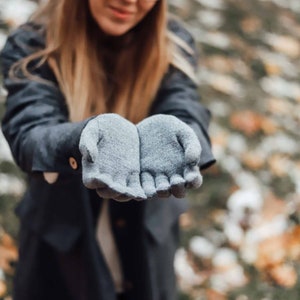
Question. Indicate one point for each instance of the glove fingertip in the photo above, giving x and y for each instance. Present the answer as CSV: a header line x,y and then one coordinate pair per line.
x,y
178,186
193,177
140,194
134,184
148,184
178,192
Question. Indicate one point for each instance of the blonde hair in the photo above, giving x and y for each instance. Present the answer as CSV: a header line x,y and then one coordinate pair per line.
x,y
74,51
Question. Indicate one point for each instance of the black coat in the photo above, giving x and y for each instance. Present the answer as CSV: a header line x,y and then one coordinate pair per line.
x,y
59,256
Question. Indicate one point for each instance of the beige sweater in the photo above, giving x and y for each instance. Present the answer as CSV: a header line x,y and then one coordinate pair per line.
x,y
108,246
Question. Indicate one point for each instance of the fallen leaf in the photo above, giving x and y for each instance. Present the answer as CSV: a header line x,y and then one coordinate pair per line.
x,y
273,206
186,220
246,121
214,295
272,68
220,139
7,241
3,288
271,253
249,52
220,63
278,106
251,24
8,253
279,164
268,126
284,275
218,216
284,44
293,243
253,160
227,85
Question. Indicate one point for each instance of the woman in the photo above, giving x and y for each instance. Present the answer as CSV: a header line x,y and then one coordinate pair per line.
x,y
103,115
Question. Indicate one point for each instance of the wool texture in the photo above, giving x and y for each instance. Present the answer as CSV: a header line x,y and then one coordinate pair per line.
x,y
110,150
170,156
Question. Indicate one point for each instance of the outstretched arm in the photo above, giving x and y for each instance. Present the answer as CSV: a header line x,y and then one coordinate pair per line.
x,y
36,123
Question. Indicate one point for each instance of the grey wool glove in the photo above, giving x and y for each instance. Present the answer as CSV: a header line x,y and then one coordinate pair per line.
x,y
170,154
110,150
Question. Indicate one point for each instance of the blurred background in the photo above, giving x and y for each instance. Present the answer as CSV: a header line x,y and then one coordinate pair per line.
x,y
241,236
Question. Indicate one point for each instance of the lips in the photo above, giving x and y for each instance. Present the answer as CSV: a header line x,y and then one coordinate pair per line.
x,y
120,13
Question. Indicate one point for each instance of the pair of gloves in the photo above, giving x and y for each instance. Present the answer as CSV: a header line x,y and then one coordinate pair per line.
x,y
157,157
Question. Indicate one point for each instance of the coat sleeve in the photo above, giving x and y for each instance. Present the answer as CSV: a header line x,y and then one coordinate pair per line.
x,y
35,122
178,96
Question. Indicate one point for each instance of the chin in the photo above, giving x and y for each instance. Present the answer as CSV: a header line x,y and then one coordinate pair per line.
x,y
115,33
114,29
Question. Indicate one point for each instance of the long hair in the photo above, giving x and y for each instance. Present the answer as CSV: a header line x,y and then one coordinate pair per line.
x,y
122,79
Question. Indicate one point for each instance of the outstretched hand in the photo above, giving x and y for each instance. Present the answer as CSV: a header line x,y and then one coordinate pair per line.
x,y
158,157
170,156
109,145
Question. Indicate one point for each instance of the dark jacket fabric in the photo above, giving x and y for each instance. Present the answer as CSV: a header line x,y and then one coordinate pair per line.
x,y
59,255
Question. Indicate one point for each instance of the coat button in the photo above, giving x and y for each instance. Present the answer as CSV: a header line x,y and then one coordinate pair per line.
x,y
73,163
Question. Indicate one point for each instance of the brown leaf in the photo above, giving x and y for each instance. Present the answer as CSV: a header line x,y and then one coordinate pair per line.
x,y
7,241
293,243
220,64
253,160
284,275
271,253
279,164
268,125
186,220
226,85
220,139
279,106
246,121
214,295
3,288
8,253
273,207
286,45
218,216
251,24
272,68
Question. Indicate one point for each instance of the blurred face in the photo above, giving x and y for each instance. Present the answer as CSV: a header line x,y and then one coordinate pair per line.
x,y
116,17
